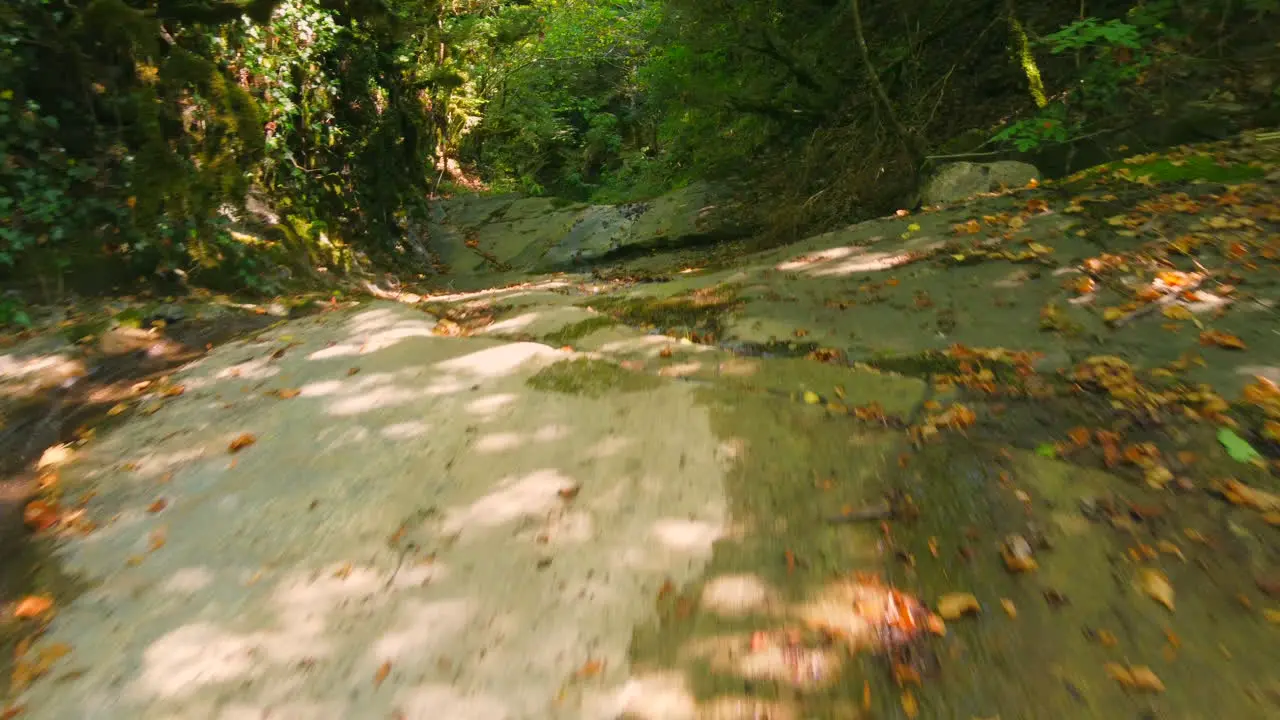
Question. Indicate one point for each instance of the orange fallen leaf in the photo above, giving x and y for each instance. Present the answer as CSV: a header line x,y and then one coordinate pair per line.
x,y
158,538
1216,338
242,442
570,492
383,671
286,393
1135,677
39,515
33,606
589,669
174,391
158,505
1079,435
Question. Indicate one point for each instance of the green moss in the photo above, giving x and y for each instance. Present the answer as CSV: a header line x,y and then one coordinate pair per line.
x,y
131,318
592,378
700,309
1172,169
572,333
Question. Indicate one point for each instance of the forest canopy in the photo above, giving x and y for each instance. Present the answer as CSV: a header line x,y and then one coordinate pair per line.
x,y
139,136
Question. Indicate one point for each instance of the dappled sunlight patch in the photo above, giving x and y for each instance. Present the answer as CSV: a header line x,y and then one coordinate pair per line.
x,y
686,534
1270,372
255,369
188,581
519,323
684,369
653,344
847,261
501,442
510,292
776,655
533,494
158,465
658,696
422,628
491,404
192,657
608,447
405,430
337,437
52,366
738,595
497,361
326,589
374,398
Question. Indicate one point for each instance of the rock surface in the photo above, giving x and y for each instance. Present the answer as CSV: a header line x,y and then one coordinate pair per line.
x,y
958,181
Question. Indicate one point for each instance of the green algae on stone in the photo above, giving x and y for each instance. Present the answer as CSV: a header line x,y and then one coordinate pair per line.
x,y
573,332
696,309
592,378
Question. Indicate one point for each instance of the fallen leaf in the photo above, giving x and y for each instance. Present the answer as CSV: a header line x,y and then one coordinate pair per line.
x,y
589,669
39,515
953,606
909,705
569,493
157,539
158,505
1220,339
242,442
1156,585
174,391
1272,616
1016,552
811,397
1009,608
1237,493
383,671
286,393
32,606
1135,677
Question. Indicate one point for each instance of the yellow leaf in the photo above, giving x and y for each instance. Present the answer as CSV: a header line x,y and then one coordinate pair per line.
x,y
913,227
811,397
1156,585
1177,312
953,606
1112,314
1009,608
1135,677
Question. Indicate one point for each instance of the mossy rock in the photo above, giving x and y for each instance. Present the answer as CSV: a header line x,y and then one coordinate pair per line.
x,y
592,378
1175,169
574,332
698,309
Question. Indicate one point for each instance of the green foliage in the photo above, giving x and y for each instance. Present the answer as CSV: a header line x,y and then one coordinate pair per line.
x,y
1115,60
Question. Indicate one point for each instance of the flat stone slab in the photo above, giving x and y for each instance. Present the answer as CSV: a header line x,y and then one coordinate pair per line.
x,y
417,533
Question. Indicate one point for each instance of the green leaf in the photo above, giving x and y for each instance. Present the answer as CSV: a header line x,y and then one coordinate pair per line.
x,y
1047,450
1237,447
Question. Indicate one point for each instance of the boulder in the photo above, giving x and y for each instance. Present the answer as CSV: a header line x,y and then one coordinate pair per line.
x,y
958,181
